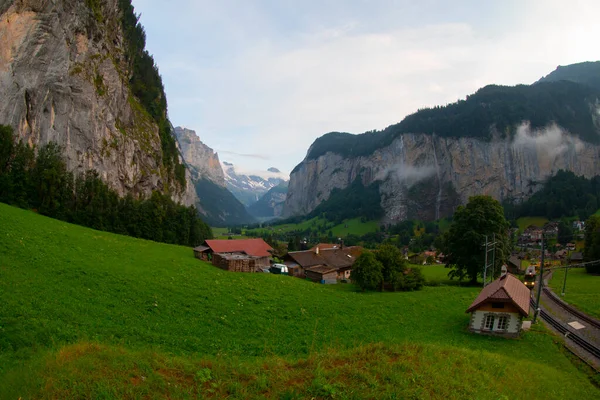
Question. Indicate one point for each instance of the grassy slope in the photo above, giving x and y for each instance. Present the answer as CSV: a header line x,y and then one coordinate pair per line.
x,y
524,222
582,289
354,227
351,226
87,313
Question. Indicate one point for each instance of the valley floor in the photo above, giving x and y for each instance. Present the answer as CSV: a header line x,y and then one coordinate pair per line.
x,y
88,314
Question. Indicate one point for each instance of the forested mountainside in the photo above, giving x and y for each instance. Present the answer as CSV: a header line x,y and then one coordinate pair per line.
x,y
77,73
496,141
587,73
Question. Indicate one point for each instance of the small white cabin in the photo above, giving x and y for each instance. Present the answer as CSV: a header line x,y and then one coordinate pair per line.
x,y
500,307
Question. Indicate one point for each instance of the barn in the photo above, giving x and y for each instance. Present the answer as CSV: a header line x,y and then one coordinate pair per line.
x,y
245,255
500,307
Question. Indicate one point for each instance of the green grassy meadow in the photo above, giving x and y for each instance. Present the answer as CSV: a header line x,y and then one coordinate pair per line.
x,y
89,314
582,290
524,222
351,226
354,227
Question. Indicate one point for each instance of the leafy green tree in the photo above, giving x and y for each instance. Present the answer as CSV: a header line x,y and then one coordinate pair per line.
x,y
392,261
565,232
463,243
7,147
411,279
591,251
367,272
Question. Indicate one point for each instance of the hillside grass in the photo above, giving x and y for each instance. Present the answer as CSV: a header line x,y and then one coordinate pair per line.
x,y
89,314
354,227
348,227
525,222
223,233
582,290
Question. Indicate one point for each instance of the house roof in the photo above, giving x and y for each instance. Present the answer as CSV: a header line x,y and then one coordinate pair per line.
x,y
201,248
252,247
324,246
576,256
336,258
321,269
506,288
514,260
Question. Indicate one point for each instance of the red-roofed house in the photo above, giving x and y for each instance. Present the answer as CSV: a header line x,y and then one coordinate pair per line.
x,y
500,307
244,255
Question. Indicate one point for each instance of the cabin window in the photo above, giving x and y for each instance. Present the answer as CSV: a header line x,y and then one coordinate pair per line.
x,y
489,322
503,323
497,305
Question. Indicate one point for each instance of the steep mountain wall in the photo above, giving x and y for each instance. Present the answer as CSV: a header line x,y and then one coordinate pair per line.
x,y
64,77
199,156
424,176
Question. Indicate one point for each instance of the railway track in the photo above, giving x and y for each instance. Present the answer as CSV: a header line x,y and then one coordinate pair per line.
x,y
570,309
593,350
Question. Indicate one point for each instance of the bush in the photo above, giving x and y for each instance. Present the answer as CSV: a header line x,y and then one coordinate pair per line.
x,y
411,279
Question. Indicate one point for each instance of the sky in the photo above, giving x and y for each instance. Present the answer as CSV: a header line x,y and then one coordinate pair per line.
x,y
260,80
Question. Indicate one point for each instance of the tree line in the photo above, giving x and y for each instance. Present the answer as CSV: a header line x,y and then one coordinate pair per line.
x,y
147,86
384,269
493,108
43,183
563,195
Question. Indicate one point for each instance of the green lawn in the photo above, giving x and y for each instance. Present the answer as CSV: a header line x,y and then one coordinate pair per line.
x,y
582,290
354,227
222,233
88,314
524,222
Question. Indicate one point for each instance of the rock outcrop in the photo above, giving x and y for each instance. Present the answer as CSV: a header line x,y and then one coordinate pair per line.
x,y
64,78
199,156
424,176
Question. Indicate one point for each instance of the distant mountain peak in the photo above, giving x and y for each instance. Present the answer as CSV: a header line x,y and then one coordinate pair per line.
x,y
249,186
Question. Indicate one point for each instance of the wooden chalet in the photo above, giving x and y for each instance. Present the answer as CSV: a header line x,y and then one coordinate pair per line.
x,y
325,266
576,256
500,307
244,255
514,264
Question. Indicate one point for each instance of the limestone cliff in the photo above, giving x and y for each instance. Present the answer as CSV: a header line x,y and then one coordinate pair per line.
x,y
425,176
64,77
199,156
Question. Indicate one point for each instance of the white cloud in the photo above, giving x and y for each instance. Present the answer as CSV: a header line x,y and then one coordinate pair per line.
x,y
407,174
551,140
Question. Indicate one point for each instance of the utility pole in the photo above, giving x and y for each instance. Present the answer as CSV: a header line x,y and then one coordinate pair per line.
x,y
487,265
541,283
493,257
565,281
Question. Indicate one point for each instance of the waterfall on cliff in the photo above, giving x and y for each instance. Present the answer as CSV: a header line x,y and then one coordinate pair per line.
x,y
437,171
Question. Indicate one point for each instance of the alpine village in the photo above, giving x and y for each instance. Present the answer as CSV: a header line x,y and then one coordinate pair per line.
x,y
454,254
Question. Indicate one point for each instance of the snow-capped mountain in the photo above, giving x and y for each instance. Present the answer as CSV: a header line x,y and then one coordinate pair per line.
x,y
249,186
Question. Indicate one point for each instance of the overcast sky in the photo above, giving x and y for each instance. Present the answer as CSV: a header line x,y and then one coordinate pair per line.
x,y
259,81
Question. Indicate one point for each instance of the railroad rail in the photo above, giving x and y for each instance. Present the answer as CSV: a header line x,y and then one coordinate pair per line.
x,y
570,309
568,334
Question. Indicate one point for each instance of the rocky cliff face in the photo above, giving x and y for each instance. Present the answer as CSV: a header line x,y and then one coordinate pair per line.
x,y
63,78
426,177
199,156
